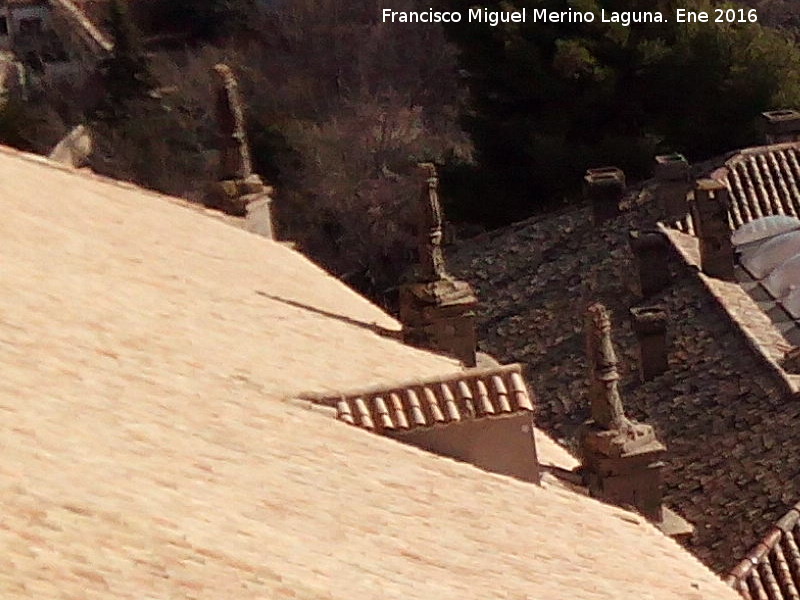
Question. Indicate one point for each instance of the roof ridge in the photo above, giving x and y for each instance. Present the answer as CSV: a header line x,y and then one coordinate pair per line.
x,y
751,150
473,394
126,185
747,568
322,398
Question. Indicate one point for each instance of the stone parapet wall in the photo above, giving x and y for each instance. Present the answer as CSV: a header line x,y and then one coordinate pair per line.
x,y
742,311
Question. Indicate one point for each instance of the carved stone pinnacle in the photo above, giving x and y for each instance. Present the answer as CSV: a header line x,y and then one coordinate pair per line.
x,y
431,256
235,162
606,403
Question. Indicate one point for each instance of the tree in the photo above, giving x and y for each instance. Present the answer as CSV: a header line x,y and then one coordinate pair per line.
x,y
549,100
15,121
126,73
29,124
201,20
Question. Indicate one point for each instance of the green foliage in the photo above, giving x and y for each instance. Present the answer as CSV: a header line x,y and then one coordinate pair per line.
x,y
270,149
28,124
206,20
551,99
15,121
126,73
150,145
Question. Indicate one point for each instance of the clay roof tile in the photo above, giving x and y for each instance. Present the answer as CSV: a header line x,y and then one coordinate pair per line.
x,y
449,400
792,549
771,570
381,413
757,586
484,403
501,394
769,580
415,408
784,573
343,412
399,412
466,399
744,591
788,521
432,404
363,418
763,181
520,392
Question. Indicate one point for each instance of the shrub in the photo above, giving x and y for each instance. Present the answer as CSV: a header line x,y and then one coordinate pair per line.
x,y
549,100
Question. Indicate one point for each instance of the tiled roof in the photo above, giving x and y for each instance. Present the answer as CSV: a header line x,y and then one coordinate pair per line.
x,y
762,181
771,571
763,326
151,447
476,394
164,264
722,411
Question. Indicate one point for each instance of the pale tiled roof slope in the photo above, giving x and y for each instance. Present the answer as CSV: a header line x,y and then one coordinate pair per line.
x,y
763,181
249,508
771,571
147,450
146,288
733,456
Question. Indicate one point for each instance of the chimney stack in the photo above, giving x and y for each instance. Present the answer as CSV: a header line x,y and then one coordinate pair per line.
x,y
672,174
651,251
621,459
716,249
436,310
791,361
650,327
604,188
237,185
780,126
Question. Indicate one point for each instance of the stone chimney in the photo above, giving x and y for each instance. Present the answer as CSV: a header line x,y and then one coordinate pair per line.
x,y
716,249
237,185
791,361
604,188
650,327
672,174
780,126
436,310
74,149
651,251
621,459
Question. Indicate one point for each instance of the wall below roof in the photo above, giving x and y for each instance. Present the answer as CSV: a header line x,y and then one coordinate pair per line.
x,y
503,445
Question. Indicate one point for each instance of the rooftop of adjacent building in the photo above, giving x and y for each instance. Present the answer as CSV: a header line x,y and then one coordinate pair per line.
x,y
770,570
721,408
763,183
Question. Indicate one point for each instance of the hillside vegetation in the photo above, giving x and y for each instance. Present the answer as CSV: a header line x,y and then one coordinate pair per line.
x,y
341,106
550,100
